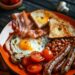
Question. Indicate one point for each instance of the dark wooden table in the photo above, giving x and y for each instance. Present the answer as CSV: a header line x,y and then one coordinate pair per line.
x,y
30,5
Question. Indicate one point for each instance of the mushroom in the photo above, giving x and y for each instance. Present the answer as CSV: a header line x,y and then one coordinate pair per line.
x,y
62,7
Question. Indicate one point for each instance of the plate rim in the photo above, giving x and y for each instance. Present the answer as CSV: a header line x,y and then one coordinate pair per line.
x,y
60,15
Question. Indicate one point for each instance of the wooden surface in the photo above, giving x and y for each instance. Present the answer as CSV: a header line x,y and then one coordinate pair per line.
x,y
30,5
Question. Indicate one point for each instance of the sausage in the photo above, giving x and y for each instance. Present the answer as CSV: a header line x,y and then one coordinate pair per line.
x,y
66,66
58,66
50,65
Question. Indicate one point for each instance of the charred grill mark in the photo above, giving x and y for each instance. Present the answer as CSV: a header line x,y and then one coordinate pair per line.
x,y
66,66
58,66
55,61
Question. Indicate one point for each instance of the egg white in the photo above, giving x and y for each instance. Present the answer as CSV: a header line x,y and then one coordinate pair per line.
x,y
36,45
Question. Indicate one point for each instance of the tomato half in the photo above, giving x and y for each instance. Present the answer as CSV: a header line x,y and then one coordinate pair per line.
x,y
25,61
34,68
36,57
38,74
47,54
14,1
5,1
70,72
56,74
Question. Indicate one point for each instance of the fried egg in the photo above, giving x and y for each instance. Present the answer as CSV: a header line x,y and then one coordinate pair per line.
x,y
28,45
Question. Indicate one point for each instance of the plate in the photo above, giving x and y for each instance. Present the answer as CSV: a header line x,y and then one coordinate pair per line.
x,y
5,34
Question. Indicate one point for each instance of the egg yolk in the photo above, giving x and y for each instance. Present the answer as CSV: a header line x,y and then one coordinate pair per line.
x,y
25,45
42,19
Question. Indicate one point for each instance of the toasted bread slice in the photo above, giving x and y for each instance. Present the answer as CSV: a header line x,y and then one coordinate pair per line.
x,y
41,17
60,28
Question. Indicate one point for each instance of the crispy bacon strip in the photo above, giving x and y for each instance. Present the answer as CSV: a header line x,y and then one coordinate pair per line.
x,y
22,25
36,33
58,66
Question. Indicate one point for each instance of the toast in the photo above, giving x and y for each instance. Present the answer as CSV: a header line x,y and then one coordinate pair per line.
x,y
41,17
60,28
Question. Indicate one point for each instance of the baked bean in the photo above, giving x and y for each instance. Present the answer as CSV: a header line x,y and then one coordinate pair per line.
x,y
57,45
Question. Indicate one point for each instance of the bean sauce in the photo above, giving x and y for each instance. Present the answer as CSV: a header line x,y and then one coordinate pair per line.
x,y
57,45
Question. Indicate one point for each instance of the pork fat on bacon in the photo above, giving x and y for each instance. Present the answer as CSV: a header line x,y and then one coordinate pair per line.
x,y
22,25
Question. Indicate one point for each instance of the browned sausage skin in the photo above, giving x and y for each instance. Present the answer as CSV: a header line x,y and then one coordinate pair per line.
x,y
50,65
58,66
66,66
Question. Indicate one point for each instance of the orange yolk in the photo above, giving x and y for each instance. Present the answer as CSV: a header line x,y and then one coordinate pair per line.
x,y
42,19
25,45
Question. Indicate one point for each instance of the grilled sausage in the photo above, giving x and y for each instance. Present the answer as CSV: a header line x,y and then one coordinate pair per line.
x,y
50,65
58,66
66,66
